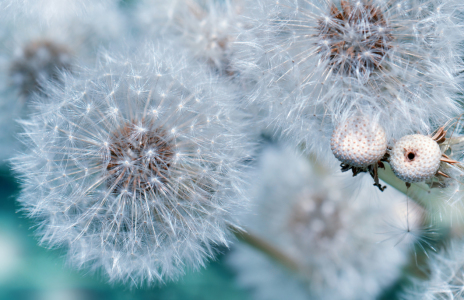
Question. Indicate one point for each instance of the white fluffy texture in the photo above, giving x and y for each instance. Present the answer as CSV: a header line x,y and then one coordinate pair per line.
x,y
415,158
359,142
25,64
446,279
135,167
326,227
37,62
396,61
207,28
52,10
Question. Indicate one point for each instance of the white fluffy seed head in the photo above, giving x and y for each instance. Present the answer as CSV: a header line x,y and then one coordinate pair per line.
x,y
316,62
415,158
316,217
205,28
135,166
359,142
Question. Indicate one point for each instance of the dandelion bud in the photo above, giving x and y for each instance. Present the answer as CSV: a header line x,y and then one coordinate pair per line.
x,y
415,158
136,166
359,142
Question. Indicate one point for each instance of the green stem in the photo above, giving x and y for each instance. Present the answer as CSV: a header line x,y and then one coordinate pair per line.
x,y
265,247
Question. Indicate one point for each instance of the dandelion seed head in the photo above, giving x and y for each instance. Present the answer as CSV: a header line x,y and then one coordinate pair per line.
x,y
206,28
415,158
350,34
125,146
316,64
135,201
36,49
330,230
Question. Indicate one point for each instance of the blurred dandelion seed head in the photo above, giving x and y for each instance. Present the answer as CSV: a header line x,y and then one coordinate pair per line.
x,y
206,28
314,218
37,62
326,225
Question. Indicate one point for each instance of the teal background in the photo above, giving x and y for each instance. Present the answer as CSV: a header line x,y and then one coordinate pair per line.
x,y
28,271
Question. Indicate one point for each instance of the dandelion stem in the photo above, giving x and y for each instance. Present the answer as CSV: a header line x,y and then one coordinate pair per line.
x,y
431,199
264,247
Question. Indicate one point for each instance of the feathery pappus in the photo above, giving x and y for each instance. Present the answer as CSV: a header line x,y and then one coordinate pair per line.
x,y
319,63
136,166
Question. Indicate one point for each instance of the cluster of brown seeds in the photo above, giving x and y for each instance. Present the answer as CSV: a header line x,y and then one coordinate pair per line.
x,y
139,159
354,39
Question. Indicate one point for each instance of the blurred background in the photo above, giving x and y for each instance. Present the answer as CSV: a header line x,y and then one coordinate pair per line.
x,y
28,271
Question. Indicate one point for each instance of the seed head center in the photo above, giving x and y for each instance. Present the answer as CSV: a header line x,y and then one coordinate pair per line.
x,y
355,39
139,159
410,155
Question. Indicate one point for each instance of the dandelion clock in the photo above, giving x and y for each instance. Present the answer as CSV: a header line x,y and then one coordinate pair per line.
x,y
135,167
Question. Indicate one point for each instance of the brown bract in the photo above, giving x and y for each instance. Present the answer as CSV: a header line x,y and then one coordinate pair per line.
x,y
355,38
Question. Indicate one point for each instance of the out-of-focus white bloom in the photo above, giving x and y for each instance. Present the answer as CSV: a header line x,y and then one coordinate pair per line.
x,y
136,167
318,63
207,28
52,10
34,51
446,276
329,229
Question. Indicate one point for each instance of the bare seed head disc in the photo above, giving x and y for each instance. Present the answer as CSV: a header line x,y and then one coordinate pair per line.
x,y
415,158
359,142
